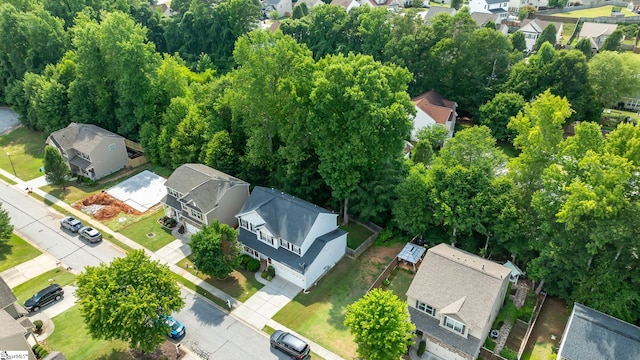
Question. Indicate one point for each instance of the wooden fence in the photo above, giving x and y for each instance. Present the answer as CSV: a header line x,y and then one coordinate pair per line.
x,y
139,158
362,248
535,314
385,274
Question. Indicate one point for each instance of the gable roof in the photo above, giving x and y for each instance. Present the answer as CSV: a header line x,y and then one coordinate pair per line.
x,y
435,10
344,3
537,25
201,185
285,216
591,334
435,105
6,295
10,327
459,283
515,270
491,2
593,30
82,137
483,18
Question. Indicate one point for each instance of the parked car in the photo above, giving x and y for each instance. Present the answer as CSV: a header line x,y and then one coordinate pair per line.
x,y
90,234
177,329
290,345
43,297
70,223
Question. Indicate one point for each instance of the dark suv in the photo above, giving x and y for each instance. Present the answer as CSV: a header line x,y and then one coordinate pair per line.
x,y
290,345
43,297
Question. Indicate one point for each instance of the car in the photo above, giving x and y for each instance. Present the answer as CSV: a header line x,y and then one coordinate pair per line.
x,y
43,297
90,234
70,223
177,329
290,344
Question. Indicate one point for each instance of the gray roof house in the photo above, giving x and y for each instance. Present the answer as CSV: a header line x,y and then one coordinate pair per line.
x,y
16,329
283,7
597,33
593,335
435,10
89,150
8,301
500,8
453,300
532,28
198,194
300,240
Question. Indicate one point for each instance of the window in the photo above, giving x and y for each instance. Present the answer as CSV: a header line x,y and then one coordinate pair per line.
x,y
196,214
426,308
453,325
112,147
289,246
83,155
173,193
265,237
244,224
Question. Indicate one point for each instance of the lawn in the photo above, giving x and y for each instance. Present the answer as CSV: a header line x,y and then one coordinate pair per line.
x,y
543,351
241,284
25,149
141,230
319,314
400,283
27,289
567,31
357,234
546,334
15,252
71,338
594,12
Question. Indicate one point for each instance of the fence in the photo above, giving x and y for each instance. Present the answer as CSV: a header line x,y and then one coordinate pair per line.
x,y
362,248
385,274
536,312
137,157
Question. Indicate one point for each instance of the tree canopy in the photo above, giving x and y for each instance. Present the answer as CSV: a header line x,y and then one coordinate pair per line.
x,y
6,228
56,169
215,249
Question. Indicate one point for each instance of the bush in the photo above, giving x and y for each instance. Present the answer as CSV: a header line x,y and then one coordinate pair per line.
x,y
244,259
35,348
489,344
42,353
38,324
264,274
271,271
253,265
509,354
422,347
386,282
509,313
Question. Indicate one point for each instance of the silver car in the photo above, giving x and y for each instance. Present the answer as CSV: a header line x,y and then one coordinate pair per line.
x,y
90,234
70,223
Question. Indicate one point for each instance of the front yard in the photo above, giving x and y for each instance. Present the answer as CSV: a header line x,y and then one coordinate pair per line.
x,y
145,230
15,252
24,149
594,12
319,314
27,289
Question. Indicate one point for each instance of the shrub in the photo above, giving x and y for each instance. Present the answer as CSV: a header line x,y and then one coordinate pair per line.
x,y
489,344
509,354
38,325
264,274
35,348
384,236
271,271
386,282
509,313
422,347
244,259
253,265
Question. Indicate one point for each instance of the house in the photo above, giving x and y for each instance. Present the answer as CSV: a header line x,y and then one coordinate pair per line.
x,y
532,28
516,5
597,33
346,4
310,3
634,6
89,150
300,240
16,329
197,195
454,299
433,109
496,7
590,334
515,272
9,303
283,7
482,19
435,10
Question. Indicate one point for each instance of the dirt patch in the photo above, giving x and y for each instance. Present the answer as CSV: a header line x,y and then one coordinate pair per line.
x,y
167,351
376,259
104,206
550,324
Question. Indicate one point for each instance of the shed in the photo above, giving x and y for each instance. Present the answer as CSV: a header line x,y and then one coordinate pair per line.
x,y
515,272
411,254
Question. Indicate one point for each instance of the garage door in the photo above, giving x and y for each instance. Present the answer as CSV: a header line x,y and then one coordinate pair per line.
x,y
441,352
190,228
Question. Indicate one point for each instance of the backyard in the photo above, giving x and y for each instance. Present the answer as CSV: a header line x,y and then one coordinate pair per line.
x,y
15,252
547,332
319,314
594,12
357,234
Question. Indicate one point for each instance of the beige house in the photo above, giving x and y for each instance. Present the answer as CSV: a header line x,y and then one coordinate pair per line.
x,y
198,194
597,33
454,299
532,28
89,150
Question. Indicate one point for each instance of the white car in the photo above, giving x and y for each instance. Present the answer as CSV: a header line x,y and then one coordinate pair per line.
x,y
90,234
70,223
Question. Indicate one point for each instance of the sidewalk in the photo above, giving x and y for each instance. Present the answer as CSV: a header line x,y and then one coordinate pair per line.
x,y
28,270
326,354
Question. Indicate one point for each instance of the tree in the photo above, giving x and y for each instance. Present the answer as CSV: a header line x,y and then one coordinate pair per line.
x,y
6,228
56,169
219,153
215,249
379,321
497,113
127,299
412,211
584,45
456,4
613,42
297,12
473,148
525,11
613,76
558,3
435,136
547,35
518,41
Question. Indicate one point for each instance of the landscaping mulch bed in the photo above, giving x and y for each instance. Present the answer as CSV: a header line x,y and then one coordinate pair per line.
x,y
167,351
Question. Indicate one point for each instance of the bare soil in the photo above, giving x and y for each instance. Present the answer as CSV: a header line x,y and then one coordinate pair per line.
x,y
167,351
108,206
551,322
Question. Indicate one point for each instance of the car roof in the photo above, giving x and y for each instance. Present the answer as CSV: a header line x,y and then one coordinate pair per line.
x,y
294,342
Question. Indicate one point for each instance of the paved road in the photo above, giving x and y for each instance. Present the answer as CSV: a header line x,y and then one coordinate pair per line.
x,y
212,334
33,220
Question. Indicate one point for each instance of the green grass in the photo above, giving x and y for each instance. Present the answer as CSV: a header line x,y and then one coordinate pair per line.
x,y
621,114
241,284
357,234
27,152
541,351
146,225
567,31
400,284
71,338
15,252
189,285
27,289
594,12
319,315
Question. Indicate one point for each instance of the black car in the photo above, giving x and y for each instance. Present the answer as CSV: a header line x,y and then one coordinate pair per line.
x,y
290,345
43,297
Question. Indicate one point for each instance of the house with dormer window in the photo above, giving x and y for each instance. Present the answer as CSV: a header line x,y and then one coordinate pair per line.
x,y
454,299
300,240
197,195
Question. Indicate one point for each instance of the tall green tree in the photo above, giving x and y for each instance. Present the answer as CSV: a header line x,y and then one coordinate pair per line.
x,y
216,250
6,228
518,41
584,45
613,42
380,323
56,169
127,299
497,113
547,35
413,209
219,153
613,76
360,112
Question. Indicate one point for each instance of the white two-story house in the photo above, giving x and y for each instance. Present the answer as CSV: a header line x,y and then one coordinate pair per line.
x,y
433,109
496,7
300,240
454,299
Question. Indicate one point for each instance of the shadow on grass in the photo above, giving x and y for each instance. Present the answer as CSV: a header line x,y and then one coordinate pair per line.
x,y
116,354
32,141
5,250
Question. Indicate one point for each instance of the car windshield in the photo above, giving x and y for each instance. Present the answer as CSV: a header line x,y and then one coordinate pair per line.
x,y
172,323
92,232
